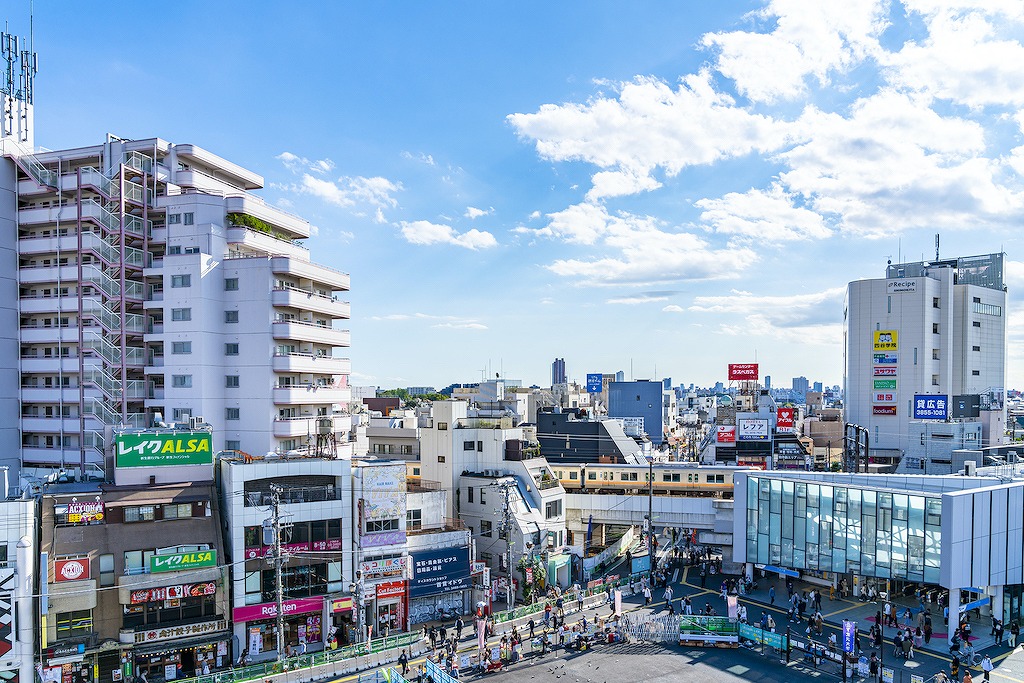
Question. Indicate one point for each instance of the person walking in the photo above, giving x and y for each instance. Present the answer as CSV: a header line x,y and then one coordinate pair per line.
x,y
459,625
968,678
668,600
771,595
1014,632
999,632
403,661
647,596
986,666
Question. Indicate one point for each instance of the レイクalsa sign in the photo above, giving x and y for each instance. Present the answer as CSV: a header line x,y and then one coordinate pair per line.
x,y
176,562
163,449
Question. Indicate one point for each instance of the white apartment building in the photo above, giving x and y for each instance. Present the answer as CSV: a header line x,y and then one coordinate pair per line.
x,y
153,286
920,337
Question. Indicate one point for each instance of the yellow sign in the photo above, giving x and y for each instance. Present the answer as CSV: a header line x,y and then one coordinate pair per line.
x,y
886,340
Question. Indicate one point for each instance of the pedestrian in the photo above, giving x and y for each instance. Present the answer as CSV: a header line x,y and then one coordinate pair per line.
x,y
1014,632
647,596
532,625
941,677
887,610
999,633
967,676
954,669
832,592
668,600
687,606
579,595
433,638
986,666
703,578
771,595
547,614
459,625
403,660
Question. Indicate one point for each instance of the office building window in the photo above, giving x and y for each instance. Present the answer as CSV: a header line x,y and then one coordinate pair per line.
x,y
976,324
181,314
976,373
181,281
176,510
935,380
181,347
72,624
975,348
935,354
231,381
106,570
182,414
190,218
469,494
376,526
139,513
231,349
231,284
485,528
232,445
181,381
935,302
231,413
231,316
413,520
174,219
935,328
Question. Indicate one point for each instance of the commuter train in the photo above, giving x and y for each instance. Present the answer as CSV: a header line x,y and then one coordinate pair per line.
x,y
671,478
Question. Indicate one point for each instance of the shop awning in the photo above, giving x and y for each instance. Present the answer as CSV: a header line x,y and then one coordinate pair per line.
x,y
180,644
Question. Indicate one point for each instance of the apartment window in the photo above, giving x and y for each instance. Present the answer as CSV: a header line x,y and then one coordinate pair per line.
x,y
483,496
174,219
181,347
232,445
406,449
975,348
552,509
231,316
485,528
480,446
467,445
177,511
413,520
190,218
181,314
935,354
376,526
469,494
976,324
231,381
71,624
106,570
935,328
231,349
181,281
231,413
231,284
935,302
181,381
935,380
976,373
191,250
139,513
174,250
442,426
182,414
976,300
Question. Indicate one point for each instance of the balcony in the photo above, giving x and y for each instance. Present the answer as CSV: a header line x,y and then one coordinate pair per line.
x,y
334,279
290,427
311,394
48,425
293,297
263,242
256,207
40,363
42,394
450,524
298,330
311,364
304,494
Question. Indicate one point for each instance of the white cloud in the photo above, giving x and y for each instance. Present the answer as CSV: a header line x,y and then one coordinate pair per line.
x,y
806,318
764,216
638,299
808,39
620,183
351,192
672,308
425,232
462,326
1013,274
970,54
297,164
420,157
473,213
649,125
535,215
450,322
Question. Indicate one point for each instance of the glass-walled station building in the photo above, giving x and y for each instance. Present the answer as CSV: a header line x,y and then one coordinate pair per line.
x,y
964,534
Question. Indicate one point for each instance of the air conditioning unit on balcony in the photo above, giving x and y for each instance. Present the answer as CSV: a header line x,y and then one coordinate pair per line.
x,y
196,422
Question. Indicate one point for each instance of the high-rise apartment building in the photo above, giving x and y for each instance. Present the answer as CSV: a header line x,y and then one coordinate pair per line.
x,y
146,283
918,339
558,372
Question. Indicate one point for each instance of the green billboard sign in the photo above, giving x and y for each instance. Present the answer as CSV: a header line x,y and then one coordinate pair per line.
x,y
176,562
156,450
885,384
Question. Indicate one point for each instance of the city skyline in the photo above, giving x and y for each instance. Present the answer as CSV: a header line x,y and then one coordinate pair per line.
x,y
700,181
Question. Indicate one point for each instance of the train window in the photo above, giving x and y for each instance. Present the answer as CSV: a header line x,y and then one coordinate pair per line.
x,y
716,478
629,476
670,477
572,475
591,476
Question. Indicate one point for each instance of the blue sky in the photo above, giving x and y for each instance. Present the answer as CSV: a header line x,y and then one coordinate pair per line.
x,y
667,186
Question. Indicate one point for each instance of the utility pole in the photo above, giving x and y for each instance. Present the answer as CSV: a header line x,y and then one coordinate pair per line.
x,y
272,529
650,519
506,530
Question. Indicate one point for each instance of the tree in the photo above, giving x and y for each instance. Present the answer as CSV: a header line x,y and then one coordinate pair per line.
x,y
536,568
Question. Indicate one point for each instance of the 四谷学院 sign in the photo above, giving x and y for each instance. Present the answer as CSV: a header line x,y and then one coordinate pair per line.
x,y
157,450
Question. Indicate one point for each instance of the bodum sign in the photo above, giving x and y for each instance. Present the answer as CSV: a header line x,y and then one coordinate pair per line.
x,y
176,562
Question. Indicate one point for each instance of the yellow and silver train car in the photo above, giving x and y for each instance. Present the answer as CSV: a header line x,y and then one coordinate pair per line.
x,y
672,478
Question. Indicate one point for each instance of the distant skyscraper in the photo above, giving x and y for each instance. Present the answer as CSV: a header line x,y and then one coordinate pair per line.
x,y
817,387
800,385
666,384
620,376
558,371
768,382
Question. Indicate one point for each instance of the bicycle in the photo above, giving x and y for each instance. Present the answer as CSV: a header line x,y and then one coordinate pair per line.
x,y
967,656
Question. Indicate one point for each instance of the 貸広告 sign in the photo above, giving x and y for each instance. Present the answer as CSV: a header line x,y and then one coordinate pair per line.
x,y
176,562
440,571
154,450
930,407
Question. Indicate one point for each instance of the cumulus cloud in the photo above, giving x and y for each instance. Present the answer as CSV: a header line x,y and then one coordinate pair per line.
x,y
297,164
762,215
473,213
814,318
427,233
672,308
807,40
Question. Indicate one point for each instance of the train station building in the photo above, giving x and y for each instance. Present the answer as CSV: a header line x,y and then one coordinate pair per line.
x,y
901,533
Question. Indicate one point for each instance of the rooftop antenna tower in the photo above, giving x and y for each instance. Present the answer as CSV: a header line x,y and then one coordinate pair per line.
x,y
936,246
17,84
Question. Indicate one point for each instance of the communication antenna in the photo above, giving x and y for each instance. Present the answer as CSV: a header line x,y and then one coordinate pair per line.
x,y
936,246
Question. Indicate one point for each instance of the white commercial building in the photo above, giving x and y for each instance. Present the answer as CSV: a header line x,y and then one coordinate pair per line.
x,y
152,286
927,343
